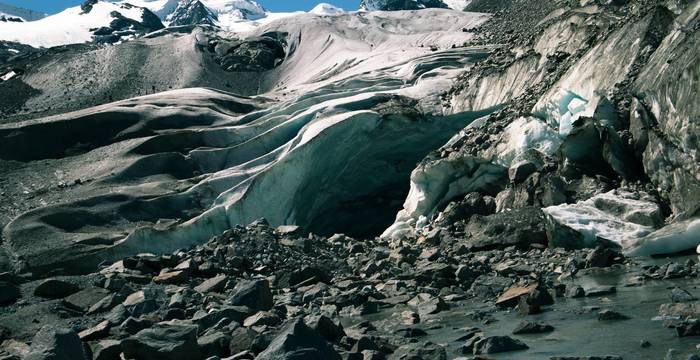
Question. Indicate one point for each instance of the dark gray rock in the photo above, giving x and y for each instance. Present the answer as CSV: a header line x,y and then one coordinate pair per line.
x,y
96,332
296,336
173,342
241,340
214,284
423,351
600,291
575,291
107,350
602,257
679,295
233,313
498,344
521,227
690,327
521,170
55,343
133,325
84,299
329,329
262,318
214,344
55,289
254,294
529,327
606,315
472,204
308,275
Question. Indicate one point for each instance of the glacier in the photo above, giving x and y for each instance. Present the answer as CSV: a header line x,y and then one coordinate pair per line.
x,y
330,146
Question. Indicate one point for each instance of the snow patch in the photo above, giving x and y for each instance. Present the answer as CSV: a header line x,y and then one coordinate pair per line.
x,y
674,238
435,183
620,216
458,5
8,76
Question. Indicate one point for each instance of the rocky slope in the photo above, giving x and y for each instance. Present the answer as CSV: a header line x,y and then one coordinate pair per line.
x,y
574,136
536,155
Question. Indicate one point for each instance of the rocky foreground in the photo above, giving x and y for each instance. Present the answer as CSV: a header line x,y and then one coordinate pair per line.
x,y
259,292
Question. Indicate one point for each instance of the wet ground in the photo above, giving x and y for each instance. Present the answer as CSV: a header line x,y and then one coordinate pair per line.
x,y
577,330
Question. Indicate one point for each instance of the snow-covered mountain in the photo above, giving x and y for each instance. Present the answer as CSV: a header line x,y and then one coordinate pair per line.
x,y
393,5
97,21
109,21
192,12
18,14
325,9
224,13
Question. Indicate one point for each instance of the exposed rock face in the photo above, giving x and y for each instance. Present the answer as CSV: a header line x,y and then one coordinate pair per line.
x,y
256,54
123,27
669,132
5,18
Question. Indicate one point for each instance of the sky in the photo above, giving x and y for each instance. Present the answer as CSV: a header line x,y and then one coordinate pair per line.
x,y
54,6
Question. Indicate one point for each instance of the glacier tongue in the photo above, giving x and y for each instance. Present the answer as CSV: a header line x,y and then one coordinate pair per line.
x,y
330,147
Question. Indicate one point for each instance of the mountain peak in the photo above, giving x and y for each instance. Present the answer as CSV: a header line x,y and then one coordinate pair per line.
x,y
326,9
192,12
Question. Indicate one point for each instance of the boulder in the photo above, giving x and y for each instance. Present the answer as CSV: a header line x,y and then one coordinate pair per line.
x,y
171,277
607,315
254,294
296,336
498,344
214,344
55,289
107,350
96,332
329,329
262,318
529,327
423,351
241,340
521,228
534,292
171,342
214,284
55,343
84,299
307,274
233,313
